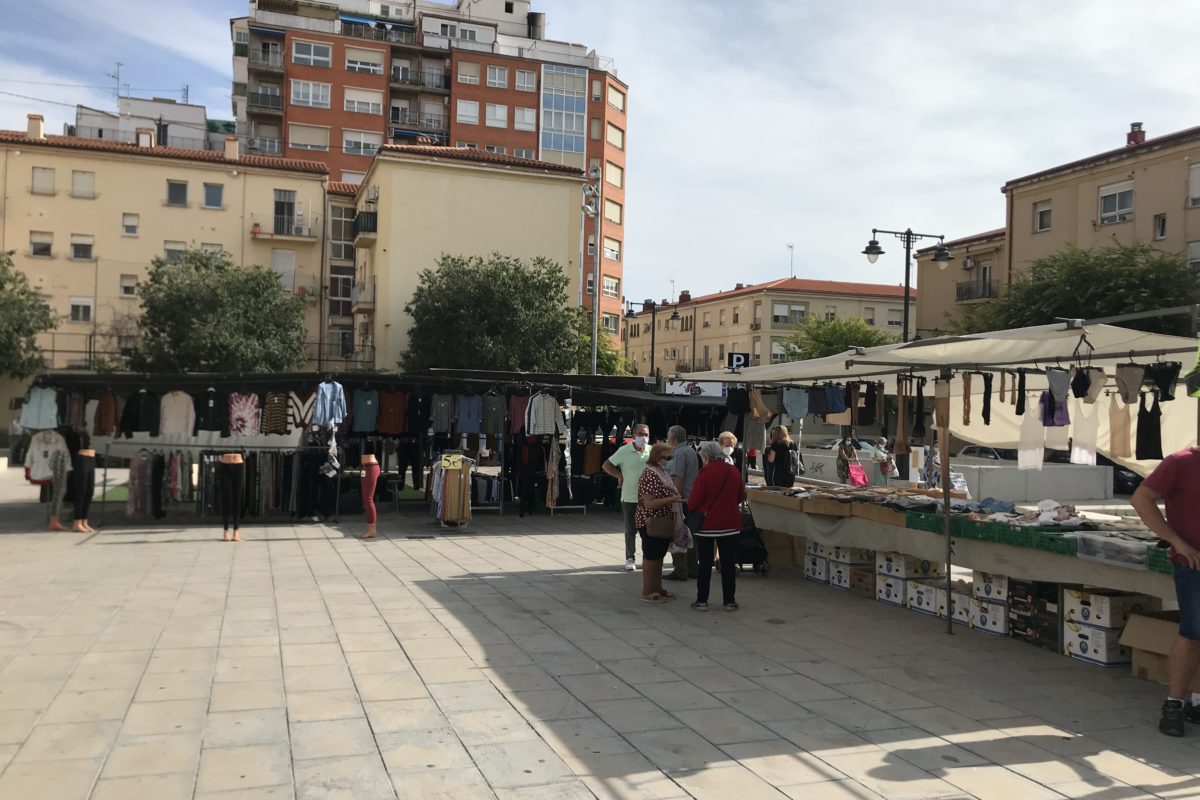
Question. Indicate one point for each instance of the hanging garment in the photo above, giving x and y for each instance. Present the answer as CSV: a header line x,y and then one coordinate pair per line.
x,y
141,414
210,412
442,411
177,414
1080,382
918,430
1060,384
89,416
1020,393
835,399
39,456
105,421
966,398
416,416
1085,431
1053,411
1118,429
493,414
795,402
1003,375
1096,381
244,415
1164,375
1031,442
552,474
275,414
366,410
737,401
543,416
392,407
870,403
987,399
1129,381
300,409
330,407
903,387
468,413
517,405
818,401
40,410
1149,430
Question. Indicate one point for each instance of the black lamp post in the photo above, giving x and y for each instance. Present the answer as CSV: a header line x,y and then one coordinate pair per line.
x,y
653,308
941,257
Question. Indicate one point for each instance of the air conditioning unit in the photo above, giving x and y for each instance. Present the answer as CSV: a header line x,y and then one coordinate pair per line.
x,y
301,230
707,324
372,193
754,326
968,263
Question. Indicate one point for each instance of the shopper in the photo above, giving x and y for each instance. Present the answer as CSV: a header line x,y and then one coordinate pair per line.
x,y
752,458
1177,479
657,500
847,455
718,493
626,466
729,444
684,467
778,469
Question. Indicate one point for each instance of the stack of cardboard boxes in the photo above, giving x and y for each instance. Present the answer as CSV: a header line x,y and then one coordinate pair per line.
x,y
816,562
989,603
1035,612
853,569
893,571
1093,621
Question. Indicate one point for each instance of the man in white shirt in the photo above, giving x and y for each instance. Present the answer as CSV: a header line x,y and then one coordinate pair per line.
x,y
627,466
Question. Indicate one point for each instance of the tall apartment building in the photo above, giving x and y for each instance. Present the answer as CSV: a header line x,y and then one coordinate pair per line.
x,y
756,319
334,81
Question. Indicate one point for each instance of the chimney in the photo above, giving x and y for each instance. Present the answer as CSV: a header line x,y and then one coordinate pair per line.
x,y
685,296
1136,135
231,148
36,127
737,286
145,137
665,302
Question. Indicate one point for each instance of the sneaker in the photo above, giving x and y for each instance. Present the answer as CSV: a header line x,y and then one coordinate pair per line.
x,y
731,606
700,606
629,567
1172,718
675,576
1191,713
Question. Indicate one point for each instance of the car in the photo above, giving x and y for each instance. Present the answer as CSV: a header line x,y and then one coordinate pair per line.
x,y
1125,480
990,453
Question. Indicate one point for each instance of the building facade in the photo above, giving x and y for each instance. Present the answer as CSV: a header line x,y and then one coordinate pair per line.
x,y
335,81
978,270
174,124
757,319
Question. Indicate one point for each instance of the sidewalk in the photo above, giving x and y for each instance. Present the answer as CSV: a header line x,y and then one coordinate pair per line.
x,y
514,660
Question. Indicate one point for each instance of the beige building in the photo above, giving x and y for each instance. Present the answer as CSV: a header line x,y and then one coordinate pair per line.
x,y
977,272
757,319
1147,191
417,203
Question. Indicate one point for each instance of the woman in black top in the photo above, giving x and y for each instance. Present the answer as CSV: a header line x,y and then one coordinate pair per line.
x,y
778,464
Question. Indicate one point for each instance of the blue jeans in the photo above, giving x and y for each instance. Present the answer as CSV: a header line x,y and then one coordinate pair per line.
x,y
1187,592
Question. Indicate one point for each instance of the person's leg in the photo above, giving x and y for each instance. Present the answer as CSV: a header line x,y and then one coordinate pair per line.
x,y
728,570
1184,660
370,477
652,577
85,487
225,494
238,482
704,555
629,510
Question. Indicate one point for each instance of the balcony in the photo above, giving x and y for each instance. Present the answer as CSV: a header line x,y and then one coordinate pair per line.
x,y
265,101
362,296
344,353
266,62
240,49
380,32
976,290
285,226
416,120
263,146
435,79
436,41
366,224
794,319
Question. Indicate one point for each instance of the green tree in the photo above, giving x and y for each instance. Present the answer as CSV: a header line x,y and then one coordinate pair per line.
x,y
202,313
609,360
23,315
1083,284
818,338
495,313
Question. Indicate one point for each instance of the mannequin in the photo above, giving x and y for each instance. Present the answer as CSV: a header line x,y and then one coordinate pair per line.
x,y
85,486
231,477
370,477
60,464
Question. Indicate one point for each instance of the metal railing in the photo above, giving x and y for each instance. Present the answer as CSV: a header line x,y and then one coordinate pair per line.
x,y
394,36
261,60
261,144
976,290
366,222
406,118
308,227
428,78
436,40
363,294
273,102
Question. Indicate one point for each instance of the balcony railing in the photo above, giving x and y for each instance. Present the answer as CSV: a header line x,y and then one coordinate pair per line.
x,y
416,120
394,35
261,60
342,352
436,40
263,145
362,296
366,222
240,49
976,290
428,79
264,100
288,225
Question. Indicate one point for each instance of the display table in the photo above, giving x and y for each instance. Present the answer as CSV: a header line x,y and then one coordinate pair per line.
x,y
879,528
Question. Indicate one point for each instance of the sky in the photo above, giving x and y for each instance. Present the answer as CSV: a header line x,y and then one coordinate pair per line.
x,y
752,123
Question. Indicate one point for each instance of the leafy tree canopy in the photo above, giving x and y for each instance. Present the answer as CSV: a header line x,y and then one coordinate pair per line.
x,y
23,315
1087,284
202,313
818,338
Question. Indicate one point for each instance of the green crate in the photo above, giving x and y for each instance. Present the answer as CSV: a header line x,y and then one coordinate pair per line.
x,y
923,521
1056,543
1158,559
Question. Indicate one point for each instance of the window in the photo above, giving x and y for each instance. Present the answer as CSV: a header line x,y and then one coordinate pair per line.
x,y
349,176
312,54
526,80
706,321
466,145
1041,216
596,89
610,322
564,109
830,313
591,284
736,317
497,116
128,286
81,246
785,314
212,247
597,127
895,317
177,193
612,249
341,287
614,174
525,119
43,180
616,137
508,8
1160,226
612,211
869,315
497,77
525,152
778,351
448,30
83,184
341,233
308,93
129,224
363,101
720,354
468,71
1194,186
41,244
359,59
241,37
495,148
1116,203
721,317
610,286
468,112
173,251
1194,257
616,98
214,195
308,137
81,309
591,244
361,143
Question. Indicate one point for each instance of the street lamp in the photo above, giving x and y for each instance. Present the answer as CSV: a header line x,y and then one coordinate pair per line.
x,y
652,307
941,257
593,202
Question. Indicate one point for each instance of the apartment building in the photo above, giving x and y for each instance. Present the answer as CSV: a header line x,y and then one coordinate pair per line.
x,y
977,272
174,124
756,319
334,81
1147,191
485,202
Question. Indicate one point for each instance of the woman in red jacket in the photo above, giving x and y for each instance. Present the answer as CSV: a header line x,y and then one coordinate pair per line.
x,y
719,493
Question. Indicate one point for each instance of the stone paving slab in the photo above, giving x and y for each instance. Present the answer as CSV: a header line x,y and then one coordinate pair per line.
x,y
514,660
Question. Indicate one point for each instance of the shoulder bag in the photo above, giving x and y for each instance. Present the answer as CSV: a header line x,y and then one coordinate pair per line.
x,y
695,518
661,527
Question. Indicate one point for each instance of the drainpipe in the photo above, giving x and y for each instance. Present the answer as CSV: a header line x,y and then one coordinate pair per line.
x,y
324,283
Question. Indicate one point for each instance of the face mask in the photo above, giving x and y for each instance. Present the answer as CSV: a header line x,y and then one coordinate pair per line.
x,y
727,451
847,441
639,441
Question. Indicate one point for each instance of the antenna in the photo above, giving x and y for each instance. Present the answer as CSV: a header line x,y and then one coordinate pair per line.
x,y
184,92
116,76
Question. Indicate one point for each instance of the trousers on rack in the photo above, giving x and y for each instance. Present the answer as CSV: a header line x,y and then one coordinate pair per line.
x,y
408,455
370,477
85,484
230,480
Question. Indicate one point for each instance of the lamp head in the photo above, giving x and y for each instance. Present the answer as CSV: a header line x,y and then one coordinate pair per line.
x,y
941,256
589,209
873,251
675,315
629,312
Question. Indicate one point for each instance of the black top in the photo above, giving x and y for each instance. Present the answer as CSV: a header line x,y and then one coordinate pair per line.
x,y
141,414
781,470
212,412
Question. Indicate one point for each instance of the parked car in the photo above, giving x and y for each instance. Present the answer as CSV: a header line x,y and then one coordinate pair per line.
x,y
1125,480
990,453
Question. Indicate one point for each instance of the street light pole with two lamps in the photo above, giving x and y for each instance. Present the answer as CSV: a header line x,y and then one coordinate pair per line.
x,y
593,202
652,306
941,257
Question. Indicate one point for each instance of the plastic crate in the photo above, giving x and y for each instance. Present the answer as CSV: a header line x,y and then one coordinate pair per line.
x,y
1158,559
1056,543
924,521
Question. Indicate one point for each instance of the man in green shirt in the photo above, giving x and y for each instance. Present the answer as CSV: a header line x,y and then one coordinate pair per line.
x,y
627,465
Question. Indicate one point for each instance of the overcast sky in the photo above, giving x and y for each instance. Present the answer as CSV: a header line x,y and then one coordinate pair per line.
x,y
753,123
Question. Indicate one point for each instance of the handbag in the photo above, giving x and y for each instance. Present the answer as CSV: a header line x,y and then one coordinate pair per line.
x,y
661,527
694,519
858,475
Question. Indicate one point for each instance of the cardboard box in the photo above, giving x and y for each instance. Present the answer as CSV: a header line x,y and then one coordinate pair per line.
x,y
890,589
818,549
1097,645
816,569
989,617
990,586
839,576
1036,626
1150,638
1030,592
898,565
863,582
922,595
960,605
1102,608
852,555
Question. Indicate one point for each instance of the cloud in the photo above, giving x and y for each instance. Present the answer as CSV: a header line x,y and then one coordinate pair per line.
x,y
55,103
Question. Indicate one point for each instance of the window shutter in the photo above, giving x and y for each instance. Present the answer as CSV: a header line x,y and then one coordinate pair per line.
x,y
364,95
308,135
364,55
1194,185
83,184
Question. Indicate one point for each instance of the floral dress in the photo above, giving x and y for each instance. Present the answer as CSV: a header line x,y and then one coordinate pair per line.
x,y
653,483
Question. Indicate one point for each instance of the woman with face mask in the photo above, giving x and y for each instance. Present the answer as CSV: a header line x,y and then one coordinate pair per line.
x,y
847,454
658,501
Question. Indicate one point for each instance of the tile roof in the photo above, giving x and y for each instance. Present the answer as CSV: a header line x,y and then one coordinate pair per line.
x,y
808,286
337,187
1117,154
479,156
977,237
179,153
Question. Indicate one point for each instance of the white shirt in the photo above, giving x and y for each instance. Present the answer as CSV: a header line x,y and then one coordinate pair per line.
x,y
1031,442
39,458
40,410
544,416
177,414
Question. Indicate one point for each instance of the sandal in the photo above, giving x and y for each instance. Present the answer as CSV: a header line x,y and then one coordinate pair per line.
x,y
655,598
666,595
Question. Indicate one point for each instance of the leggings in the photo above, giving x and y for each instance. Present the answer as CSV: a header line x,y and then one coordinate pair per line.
x,y
408,454
704,550
85,484
370,476
230,479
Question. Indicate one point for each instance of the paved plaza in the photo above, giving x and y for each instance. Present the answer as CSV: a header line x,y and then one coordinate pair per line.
x,y
515,660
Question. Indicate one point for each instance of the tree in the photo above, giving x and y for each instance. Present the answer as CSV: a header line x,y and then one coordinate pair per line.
x,y
23,315
202,313
609,360
495,313
818,338
1083,284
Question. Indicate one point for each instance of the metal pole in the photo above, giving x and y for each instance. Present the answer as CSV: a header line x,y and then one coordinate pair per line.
x,y
653,333
582,248
942,410
596,271
908,243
